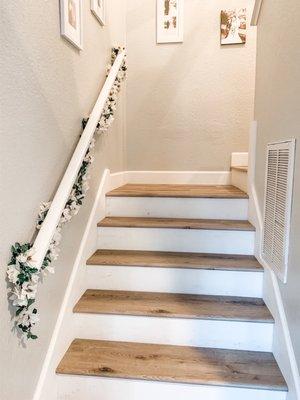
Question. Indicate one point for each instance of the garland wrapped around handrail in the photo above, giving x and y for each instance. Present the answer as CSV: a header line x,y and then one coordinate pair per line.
x,y
22,275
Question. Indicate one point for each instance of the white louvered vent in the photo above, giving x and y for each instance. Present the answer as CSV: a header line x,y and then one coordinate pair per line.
x,y
278,203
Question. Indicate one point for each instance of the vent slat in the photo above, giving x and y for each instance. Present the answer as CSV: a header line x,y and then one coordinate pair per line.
x,y
278,200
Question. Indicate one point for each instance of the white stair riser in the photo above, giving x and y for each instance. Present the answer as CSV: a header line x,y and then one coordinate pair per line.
x,y
177,208
94,388
176,331
180,240
176,280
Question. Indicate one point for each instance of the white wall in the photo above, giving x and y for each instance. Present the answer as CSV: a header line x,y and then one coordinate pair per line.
x,y
188,105
277,110
47,86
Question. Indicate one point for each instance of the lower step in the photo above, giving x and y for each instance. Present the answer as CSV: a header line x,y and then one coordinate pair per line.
x,y
181,235
192,273
177,319
175,364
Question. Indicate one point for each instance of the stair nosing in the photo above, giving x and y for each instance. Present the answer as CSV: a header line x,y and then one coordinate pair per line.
x,y
142,195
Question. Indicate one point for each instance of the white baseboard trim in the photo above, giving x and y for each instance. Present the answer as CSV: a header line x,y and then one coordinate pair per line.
x,y
46,388
178,177
282,343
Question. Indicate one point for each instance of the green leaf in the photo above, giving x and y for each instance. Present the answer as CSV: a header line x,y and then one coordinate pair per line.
x,y
30,302
19,310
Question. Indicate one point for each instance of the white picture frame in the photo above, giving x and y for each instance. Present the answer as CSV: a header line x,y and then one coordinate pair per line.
x,y
98,8
71,22
170,19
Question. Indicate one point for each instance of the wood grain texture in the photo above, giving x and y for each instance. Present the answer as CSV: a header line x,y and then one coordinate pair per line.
x,y
176,223
167,363
187,191
172,305
162,259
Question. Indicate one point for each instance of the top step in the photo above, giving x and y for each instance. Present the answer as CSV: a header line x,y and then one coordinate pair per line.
x,y
179,191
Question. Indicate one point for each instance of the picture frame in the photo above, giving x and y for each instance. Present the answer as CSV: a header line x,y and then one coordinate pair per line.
x,y
170,19
71,22
98,8
233,28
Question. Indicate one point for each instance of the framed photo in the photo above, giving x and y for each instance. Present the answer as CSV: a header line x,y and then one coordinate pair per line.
x,y
98,9
170,16
234,26
71,21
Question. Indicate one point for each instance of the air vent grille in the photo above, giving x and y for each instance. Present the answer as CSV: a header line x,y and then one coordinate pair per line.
x,y
278,202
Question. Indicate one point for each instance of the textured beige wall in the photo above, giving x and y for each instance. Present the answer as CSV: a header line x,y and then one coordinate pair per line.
x,y
277,110
188,105
47,86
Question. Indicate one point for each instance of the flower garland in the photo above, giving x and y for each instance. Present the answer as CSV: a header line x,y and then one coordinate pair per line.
x,y
21,272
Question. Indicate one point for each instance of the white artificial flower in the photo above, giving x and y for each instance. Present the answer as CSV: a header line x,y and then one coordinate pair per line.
x,y
22,258
23,319
34,278
45,206
29,289
86,177
54,253
26,257
34,319
92,144
85,186
13,273
18,297
27,318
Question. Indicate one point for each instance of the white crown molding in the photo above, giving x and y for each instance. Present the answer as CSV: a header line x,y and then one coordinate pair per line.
x,y
256,12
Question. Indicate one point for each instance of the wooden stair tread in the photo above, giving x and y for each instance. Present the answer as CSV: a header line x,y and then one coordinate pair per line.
x,y
161,259
172,305
240,168
167,363
184,191
176,223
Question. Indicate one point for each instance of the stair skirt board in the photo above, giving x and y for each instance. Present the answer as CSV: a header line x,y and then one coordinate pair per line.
x,y
181,240
235,209
239,178
253,336
176,280
91,388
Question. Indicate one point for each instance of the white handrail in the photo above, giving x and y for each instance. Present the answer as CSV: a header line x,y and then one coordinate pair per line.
x,y
48,228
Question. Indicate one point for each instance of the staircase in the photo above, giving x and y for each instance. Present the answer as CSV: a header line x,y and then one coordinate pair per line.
x,y
174,305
